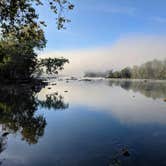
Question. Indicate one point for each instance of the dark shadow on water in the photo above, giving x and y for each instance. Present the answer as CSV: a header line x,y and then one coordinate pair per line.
x,y
149,89
18,105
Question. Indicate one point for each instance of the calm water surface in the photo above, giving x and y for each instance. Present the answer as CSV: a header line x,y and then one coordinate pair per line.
x,y
77,123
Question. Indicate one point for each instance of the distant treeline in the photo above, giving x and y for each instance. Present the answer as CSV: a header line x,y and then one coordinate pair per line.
x,y
154,69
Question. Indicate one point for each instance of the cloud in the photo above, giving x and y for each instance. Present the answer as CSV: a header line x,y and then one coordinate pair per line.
x,y
127,51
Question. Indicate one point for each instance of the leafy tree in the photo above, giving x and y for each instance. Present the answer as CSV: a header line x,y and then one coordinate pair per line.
x,y
18,61
155,69
20,17
22,34
50,65
117,74
111,74
126,73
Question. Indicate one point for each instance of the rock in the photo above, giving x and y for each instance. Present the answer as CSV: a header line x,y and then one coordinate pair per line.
x,y
125,152
5,134
65,91
56,93
115,162
165,100
73,78
86,79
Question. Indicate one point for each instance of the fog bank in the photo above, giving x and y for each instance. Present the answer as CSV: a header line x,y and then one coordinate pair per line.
x,y
127,51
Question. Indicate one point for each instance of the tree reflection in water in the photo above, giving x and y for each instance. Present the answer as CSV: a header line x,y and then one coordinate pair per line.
x,y
54,101
149,89
18,105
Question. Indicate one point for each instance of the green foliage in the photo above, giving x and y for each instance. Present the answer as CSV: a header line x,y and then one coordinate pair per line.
x,y
20,17
22,33
18,61
151,70
154,69
126,73
94,74
52,65
116,74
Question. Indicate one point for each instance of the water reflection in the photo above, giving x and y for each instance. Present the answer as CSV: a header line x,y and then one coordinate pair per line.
x,y
105,125
128,101
18,106
150,89
54,101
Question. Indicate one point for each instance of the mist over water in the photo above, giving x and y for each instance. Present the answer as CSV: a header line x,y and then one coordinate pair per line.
x,y
129,50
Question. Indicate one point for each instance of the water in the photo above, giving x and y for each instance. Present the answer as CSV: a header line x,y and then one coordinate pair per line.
x,y
85,123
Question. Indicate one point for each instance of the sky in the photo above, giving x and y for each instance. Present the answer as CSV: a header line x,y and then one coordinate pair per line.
x,y
107,34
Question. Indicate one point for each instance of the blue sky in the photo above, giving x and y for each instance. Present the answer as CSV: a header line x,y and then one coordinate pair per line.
x,y
98,23
108,34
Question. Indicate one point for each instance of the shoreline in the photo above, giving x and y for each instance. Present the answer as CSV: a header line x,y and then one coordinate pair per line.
x,y
125,79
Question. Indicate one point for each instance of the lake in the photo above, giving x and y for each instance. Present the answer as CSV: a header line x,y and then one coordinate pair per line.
x,y
84,123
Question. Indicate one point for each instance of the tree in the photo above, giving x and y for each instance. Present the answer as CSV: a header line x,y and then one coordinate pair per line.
x,y
117,74
22,34
126,73
51,66
155,69
18,61
134,72
20,17
111,74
